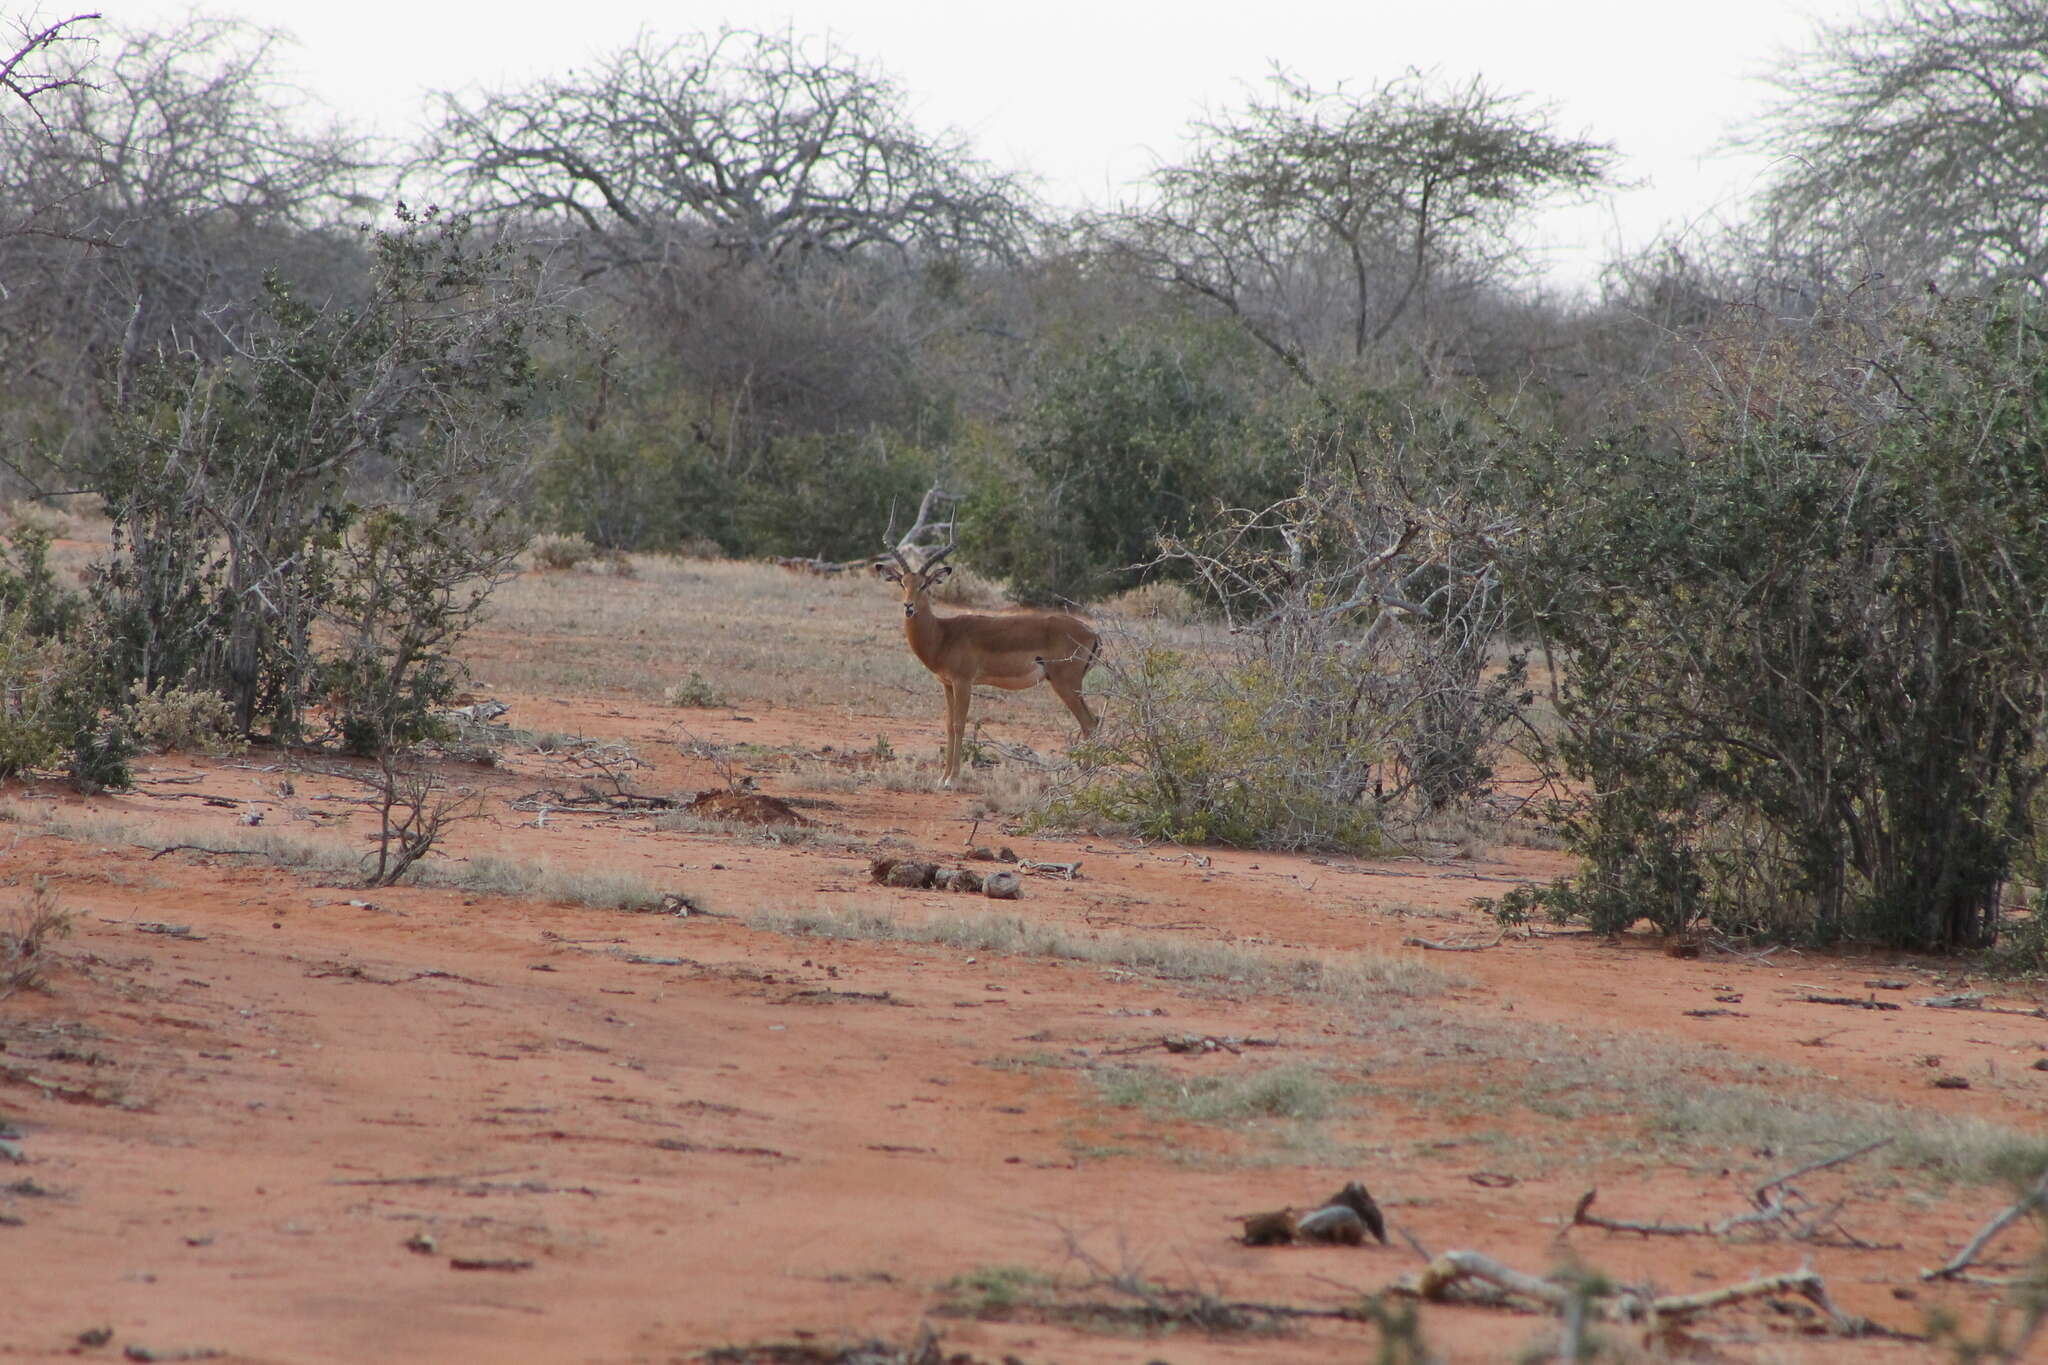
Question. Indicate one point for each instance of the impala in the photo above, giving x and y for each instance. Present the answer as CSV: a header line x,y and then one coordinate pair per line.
x,y
1014,650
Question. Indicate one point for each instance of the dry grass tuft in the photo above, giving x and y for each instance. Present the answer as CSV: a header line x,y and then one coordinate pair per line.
x,y
26,930
966,588
1344,979
344,862
1164,602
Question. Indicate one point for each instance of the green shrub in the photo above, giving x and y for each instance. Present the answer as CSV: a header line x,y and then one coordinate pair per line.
x,y
1129,439
559,552
1804,642
174,718
693,691
29,585
1205,752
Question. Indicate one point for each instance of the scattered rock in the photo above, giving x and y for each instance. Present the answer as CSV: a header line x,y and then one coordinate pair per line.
x,y
94,1337
1354,1197
903,872
1002,886
2041,1064
1343,1220
1275,1229
1951,1083
421,1244
1332,1224
960,879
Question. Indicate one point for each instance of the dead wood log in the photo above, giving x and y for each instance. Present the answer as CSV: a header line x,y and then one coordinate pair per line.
x,y
1873,1003
1455,1269
1460,946
2037,1197
1777,1203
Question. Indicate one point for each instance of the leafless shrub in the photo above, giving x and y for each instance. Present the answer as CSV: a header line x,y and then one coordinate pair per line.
x,y
1161,600
560,551
1357,672
415,807
25,933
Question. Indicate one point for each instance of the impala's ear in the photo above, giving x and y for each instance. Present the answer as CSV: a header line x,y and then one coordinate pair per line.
x,y
883,569
938,575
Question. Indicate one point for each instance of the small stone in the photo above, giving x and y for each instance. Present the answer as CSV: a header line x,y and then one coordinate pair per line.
x,y
1335,1224
910,875
1275,1229
1002,886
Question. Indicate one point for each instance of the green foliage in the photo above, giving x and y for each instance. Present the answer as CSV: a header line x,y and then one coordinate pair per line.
x,y
31,730
693,691
29,585
180,718
996,1289
1132,438
654,477
1804,651
61,708
1201,752
321,513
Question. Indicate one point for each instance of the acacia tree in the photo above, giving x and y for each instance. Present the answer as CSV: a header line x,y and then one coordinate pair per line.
x,y
24,73
1916,133
1320,219
152,197
752,144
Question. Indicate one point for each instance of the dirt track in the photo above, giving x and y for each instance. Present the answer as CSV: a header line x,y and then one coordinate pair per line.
x,y
280,1136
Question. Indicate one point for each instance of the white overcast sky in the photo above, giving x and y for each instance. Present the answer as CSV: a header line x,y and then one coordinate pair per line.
x,y
1089,96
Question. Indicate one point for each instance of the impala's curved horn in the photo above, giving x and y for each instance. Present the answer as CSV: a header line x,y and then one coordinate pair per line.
x,y
933,561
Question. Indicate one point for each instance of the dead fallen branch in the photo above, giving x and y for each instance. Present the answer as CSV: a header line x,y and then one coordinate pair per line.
x,y
1853,1002
1453,1274
1974,1000
2035,1198
203,848
1193,1042
434,1179
1459,946
1780,1207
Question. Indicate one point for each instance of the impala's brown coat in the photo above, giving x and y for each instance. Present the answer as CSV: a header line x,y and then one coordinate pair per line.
x,y
1013,650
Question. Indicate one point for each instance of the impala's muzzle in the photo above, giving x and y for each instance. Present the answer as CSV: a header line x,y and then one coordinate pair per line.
x,y
909,609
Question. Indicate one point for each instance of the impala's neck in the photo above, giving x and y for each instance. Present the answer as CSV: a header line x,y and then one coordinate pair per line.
x,y
922,628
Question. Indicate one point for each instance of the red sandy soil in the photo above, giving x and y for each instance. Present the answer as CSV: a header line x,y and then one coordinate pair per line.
x,y
690,1133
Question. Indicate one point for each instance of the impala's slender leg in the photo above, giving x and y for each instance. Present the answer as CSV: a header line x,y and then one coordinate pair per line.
x,y
1070,693
959,695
